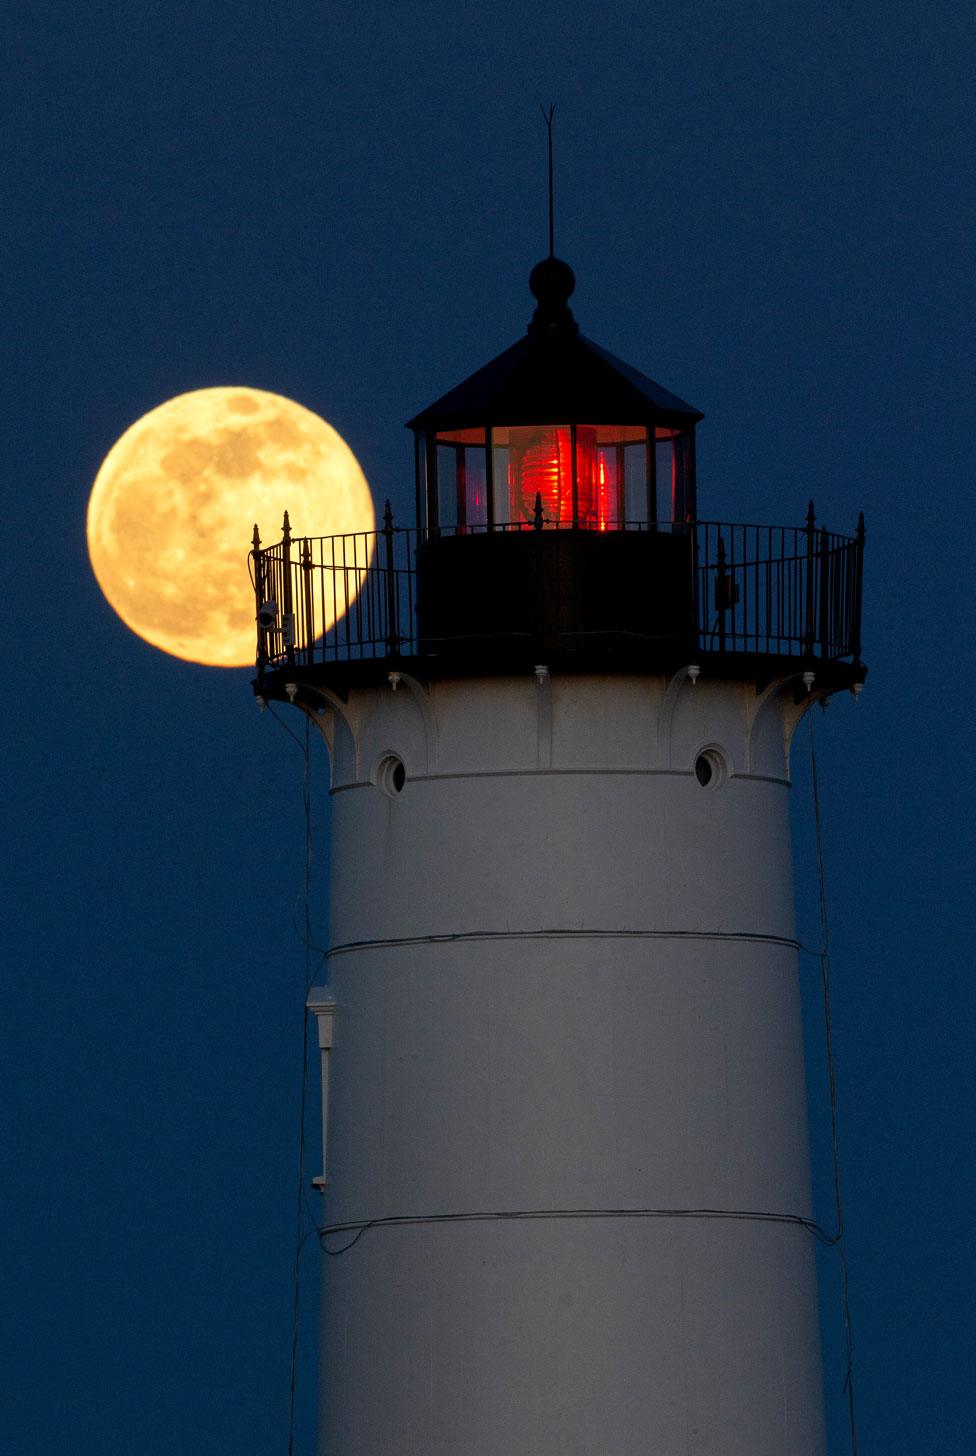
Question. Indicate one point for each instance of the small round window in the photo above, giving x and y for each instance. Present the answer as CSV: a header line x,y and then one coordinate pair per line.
x,y
391,775
711,769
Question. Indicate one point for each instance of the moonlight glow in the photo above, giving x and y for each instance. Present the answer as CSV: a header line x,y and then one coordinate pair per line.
x,y
174,504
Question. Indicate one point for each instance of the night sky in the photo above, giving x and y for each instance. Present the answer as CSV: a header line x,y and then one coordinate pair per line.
x,y
769,209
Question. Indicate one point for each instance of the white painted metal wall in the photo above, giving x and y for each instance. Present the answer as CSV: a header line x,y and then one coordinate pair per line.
x,y
565,988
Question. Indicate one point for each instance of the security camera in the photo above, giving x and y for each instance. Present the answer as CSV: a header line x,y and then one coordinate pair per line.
x,y
268,615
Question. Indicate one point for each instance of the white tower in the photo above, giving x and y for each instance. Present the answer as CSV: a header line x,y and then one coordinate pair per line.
x,y
567,1189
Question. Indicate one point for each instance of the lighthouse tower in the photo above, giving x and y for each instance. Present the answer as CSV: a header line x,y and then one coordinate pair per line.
x,y
566,1194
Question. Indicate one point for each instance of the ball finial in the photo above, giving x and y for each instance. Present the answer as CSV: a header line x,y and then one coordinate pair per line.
x,y
552,282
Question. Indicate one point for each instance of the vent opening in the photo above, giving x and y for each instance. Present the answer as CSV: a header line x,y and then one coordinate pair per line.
x,y
711,769
391,775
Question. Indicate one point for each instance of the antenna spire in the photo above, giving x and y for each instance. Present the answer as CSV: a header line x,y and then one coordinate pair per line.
x,y
547,117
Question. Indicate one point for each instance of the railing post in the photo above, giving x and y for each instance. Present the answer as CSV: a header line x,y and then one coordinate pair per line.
x,y
825,594
537,517
721,593
308,609
858,571
808,630
287,602
262,648
392,625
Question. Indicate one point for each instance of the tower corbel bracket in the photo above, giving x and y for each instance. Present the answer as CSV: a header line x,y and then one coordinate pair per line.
x,y
801,688
684,677
421,697
324,720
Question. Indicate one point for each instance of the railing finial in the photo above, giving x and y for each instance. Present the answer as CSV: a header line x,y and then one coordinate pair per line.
x,y
256,538
286,527
538,518
858,579
387,517
811,591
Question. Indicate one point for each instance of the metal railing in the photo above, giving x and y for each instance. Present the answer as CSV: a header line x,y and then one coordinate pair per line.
x,y
782,590
768,590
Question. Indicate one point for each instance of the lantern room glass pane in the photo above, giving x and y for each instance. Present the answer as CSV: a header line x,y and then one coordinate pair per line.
x,y
499,477
591,476
635,485
611,474
446,486
462,495
536,463
674,482
533,462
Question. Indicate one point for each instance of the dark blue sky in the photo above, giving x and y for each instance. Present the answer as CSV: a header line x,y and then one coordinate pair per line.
x,y
770,209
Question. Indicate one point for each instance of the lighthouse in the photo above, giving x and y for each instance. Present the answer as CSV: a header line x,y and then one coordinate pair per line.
x,y
565,1179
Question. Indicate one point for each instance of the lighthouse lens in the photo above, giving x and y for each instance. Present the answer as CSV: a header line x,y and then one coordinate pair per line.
x,y
591,477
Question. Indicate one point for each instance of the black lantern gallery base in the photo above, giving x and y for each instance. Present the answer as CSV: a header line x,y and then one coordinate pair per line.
x,y
560,591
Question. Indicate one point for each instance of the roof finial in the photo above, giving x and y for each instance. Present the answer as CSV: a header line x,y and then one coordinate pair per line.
x,y
547,118
552,281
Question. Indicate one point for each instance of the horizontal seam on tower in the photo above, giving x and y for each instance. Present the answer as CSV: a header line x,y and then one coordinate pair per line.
x,y
358,1227
752,936
541,773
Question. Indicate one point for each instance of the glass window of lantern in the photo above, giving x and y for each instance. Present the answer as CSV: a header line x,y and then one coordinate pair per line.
x,y
502,514
635,484
611,476
462,485
533,462
674,485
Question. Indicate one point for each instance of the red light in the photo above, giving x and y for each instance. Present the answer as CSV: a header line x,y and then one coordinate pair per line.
x,y
603,512
587,483
541,464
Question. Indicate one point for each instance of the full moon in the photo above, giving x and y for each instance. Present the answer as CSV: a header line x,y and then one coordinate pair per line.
x,y
175,502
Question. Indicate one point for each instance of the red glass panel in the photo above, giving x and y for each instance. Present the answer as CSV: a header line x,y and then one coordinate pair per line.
x,y
540,464
607,490
539,461
587,486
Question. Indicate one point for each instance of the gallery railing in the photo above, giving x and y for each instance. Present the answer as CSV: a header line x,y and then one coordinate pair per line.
x,y
771,590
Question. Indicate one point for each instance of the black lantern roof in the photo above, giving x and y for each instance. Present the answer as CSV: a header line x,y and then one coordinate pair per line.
x,y
554,373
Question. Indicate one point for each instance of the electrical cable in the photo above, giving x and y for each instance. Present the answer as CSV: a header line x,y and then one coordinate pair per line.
x,y
301,1209
561,932
282,724
823,956
358,1228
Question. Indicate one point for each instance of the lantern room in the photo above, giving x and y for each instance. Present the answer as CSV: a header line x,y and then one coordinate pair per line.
x,y
565,474
556,524
555,433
